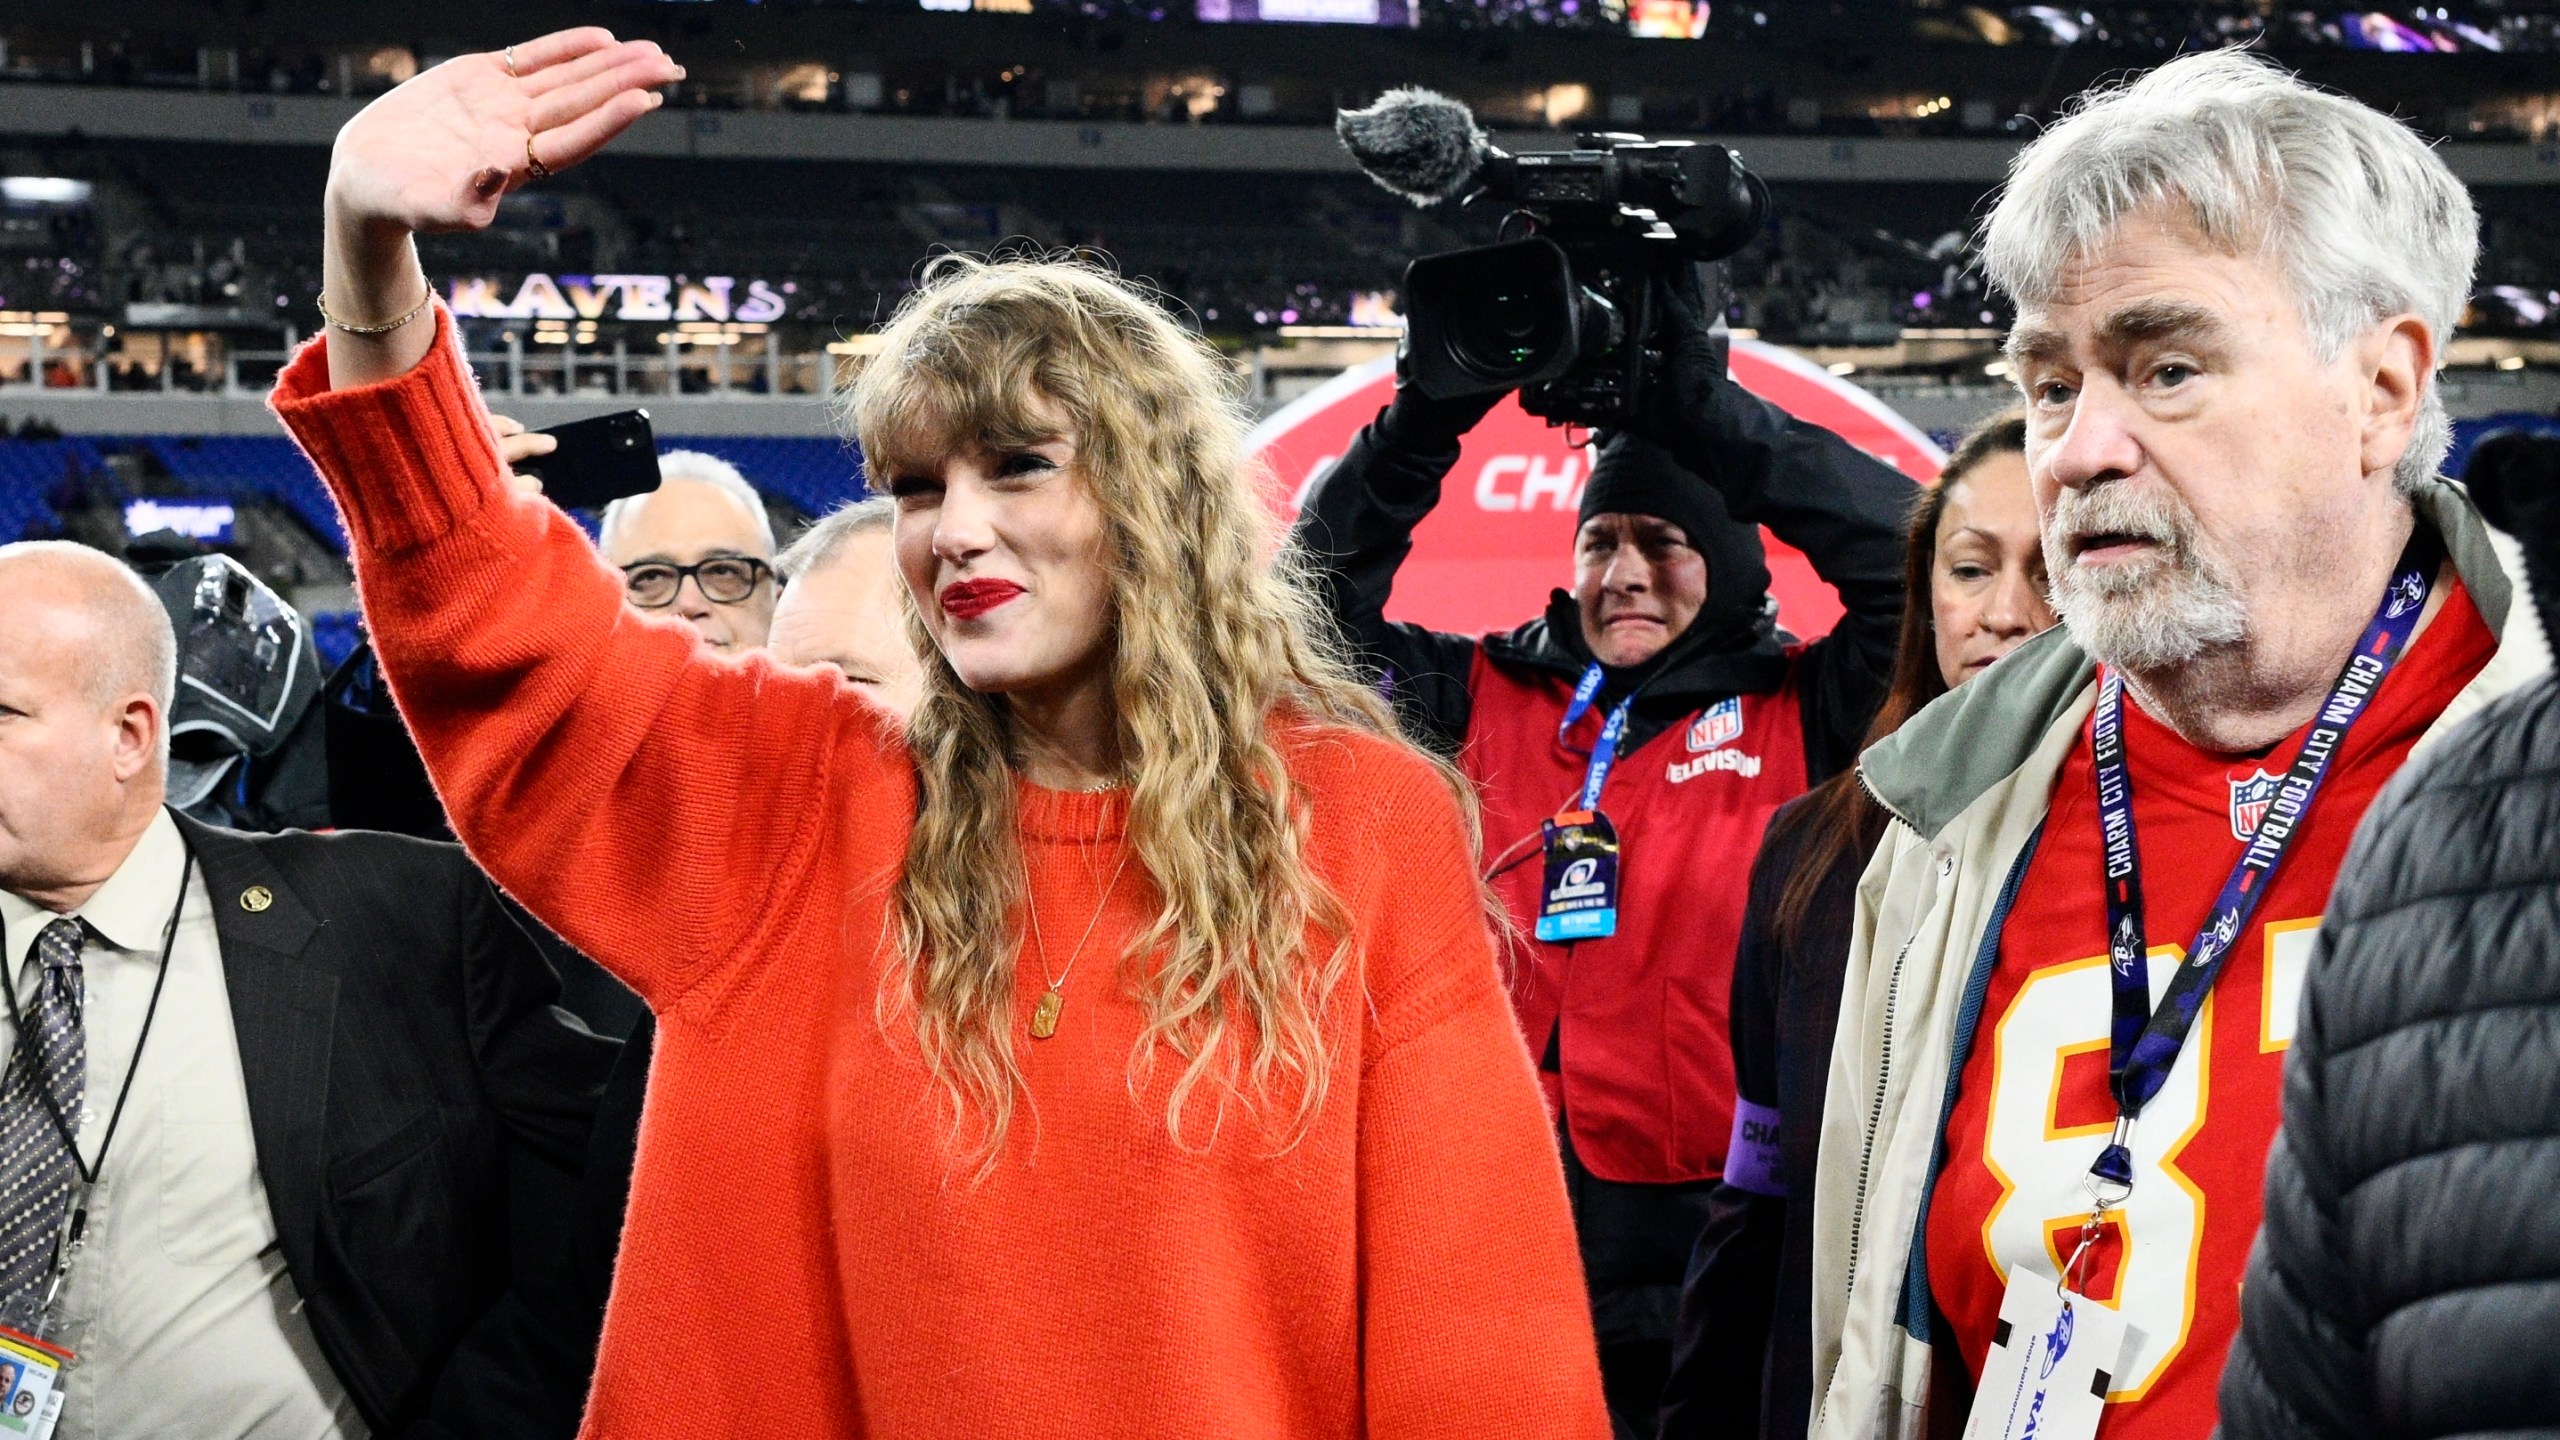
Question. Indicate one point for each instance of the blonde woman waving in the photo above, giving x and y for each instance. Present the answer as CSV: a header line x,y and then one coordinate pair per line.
x,y
1117,1050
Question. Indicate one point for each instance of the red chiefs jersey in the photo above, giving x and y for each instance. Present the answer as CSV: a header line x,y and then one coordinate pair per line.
x,y
2033,1107
1640,1018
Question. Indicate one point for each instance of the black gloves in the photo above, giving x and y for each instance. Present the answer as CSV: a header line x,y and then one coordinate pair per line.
x,y
1416,422
1681,394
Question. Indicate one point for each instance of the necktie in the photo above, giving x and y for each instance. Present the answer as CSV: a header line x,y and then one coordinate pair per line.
x,y
36,1166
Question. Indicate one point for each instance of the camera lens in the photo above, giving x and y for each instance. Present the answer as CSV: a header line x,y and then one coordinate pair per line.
x,y
1512,331
1514,317
1495,317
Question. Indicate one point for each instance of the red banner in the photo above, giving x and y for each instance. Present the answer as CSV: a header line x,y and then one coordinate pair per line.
x,y
1503,534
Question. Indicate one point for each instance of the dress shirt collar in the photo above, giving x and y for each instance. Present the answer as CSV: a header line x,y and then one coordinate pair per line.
x,y
131,910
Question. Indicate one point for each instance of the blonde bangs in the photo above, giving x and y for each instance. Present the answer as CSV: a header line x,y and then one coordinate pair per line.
x,y
953,387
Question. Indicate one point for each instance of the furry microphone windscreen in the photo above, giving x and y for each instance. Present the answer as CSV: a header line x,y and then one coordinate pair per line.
x,y
1417,143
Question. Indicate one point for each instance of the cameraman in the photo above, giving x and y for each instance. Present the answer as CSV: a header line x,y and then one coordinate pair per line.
x,y
1668,630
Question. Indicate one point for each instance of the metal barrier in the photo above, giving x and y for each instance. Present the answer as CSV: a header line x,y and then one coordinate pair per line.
x,y
515,370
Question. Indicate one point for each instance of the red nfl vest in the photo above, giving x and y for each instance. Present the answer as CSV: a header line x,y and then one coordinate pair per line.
x,y
1646,1080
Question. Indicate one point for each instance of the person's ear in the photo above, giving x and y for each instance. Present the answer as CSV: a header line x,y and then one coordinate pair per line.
x,y
137,742
2398,362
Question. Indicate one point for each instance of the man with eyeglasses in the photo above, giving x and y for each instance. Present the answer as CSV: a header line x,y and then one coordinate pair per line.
x,y
699,547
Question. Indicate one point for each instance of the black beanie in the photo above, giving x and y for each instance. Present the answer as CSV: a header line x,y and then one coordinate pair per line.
x,y
1633,476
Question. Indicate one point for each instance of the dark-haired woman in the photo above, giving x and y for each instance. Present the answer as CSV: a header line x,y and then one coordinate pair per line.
x,y
1742,1365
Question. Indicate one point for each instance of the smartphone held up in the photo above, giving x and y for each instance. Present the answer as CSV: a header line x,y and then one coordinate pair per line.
x,y
597,460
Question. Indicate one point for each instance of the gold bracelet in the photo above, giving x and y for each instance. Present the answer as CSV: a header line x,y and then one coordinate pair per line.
x,y
383,329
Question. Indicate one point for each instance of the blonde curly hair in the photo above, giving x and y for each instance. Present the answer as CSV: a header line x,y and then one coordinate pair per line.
x,y
1213,638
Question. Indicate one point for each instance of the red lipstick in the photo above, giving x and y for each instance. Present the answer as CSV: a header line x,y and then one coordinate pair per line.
x,y
969,599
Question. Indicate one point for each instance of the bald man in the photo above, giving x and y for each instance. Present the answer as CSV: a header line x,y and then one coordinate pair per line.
x,y
842,605
261,1097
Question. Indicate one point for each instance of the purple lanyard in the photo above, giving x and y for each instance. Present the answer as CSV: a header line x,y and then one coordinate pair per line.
x,y
1604,752
2143,1043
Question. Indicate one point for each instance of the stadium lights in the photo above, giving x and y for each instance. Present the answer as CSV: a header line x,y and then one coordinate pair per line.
x,y
702,332
44,190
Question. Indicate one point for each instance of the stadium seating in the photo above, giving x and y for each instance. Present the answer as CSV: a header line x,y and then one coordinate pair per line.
x,y
262,465
815,474
31,472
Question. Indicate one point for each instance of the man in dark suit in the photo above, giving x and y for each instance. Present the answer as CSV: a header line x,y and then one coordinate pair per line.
x,y
262,1097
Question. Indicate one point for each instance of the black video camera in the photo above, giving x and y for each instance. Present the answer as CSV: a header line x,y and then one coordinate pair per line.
x,y
1568,308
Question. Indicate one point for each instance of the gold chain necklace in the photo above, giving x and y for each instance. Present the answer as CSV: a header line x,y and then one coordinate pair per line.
x,y
1044,1014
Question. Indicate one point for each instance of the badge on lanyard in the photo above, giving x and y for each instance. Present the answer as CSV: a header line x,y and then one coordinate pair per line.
x,y
30,1384
1579,900
2052,1358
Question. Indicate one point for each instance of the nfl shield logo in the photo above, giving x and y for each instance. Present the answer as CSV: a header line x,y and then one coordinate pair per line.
x,y
1721,724
2249,801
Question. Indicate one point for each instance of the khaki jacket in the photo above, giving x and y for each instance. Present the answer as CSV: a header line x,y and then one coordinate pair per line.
x,y
1967,781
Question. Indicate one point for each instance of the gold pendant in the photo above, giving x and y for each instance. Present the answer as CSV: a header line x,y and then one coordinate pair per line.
x,y
1044,1016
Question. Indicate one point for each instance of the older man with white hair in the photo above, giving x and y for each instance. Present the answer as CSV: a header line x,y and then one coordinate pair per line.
x,y
699,547
2078,951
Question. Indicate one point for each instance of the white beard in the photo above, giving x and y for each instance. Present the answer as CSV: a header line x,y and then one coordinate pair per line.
x,y
2166,610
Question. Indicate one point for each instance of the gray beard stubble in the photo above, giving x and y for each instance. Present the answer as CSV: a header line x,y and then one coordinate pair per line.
x,y
2167,611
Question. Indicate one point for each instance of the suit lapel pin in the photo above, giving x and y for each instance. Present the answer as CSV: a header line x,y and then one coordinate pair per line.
x,y
256,898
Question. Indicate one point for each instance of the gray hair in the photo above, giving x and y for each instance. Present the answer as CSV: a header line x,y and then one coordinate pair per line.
x,y
2354,209
702,469
818,544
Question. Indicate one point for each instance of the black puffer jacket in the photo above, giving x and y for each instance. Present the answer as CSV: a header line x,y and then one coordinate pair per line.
x,y
2407,1278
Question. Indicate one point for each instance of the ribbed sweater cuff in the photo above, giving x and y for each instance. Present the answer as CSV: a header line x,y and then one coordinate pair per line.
x,y
411,459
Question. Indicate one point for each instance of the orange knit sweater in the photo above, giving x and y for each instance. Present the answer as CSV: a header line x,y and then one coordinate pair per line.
x,y
802,1255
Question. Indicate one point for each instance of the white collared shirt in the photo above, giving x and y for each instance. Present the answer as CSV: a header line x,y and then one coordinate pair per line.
x,y
178,1304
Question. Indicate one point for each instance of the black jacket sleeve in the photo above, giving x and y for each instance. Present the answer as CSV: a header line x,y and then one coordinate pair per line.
x,y
1840,506
520,1371
1720,1346
1356,530
541,1068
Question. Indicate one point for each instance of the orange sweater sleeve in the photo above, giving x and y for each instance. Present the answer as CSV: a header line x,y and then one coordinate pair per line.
x,y
647,800
1475,1321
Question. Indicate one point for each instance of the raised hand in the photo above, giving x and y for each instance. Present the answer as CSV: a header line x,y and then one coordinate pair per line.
x,y
438,152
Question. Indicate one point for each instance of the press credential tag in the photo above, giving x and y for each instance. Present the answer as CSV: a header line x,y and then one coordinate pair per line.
x,y
2053,1356
1580,898
30,1385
